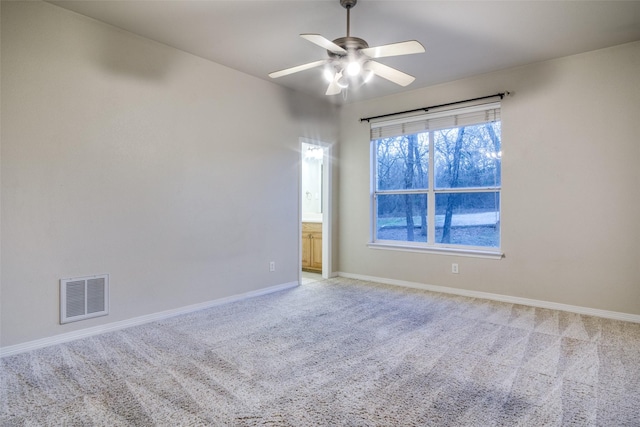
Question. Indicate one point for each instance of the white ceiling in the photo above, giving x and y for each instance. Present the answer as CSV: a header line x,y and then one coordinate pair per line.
x,y
462,38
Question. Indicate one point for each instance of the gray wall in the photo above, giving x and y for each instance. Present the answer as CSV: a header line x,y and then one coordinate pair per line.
x,y
175,175
178,176
570,204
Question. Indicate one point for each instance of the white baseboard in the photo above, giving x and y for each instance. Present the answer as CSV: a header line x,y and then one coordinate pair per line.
x,y
115,326
502,298
83,333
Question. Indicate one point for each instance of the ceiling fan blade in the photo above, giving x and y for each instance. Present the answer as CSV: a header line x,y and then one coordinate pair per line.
x,y
391,74
297,68
394,49
324,43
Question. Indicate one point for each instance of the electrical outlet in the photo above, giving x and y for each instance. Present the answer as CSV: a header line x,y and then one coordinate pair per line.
x,y
454,268
272,266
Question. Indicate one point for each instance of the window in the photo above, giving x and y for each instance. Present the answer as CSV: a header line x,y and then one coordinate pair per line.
x,y
436,181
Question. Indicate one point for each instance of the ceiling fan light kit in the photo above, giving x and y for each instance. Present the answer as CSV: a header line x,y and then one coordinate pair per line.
x,y
351,61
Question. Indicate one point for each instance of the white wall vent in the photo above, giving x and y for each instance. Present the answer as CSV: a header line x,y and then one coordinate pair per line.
x,y
84,297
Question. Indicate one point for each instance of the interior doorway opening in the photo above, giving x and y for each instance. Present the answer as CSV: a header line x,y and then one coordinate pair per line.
x,y
315,201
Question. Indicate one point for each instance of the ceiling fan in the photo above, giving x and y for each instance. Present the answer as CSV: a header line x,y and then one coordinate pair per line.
x,y
351,60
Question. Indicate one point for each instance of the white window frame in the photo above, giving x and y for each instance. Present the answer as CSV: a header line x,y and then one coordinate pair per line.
x,y
431,246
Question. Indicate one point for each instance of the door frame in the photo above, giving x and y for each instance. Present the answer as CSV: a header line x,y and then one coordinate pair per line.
x,y
327,206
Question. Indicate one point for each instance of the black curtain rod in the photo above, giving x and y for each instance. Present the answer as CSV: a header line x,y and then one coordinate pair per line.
x,y
425,109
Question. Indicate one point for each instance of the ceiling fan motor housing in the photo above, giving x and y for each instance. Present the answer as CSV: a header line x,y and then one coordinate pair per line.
x,y
349,44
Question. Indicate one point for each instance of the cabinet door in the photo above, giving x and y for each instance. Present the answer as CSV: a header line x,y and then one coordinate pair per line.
x,y
306,250
316,251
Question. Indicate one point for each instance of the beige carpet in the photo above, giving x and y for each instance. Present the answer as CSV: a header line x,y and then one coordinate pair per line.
x,y
338,353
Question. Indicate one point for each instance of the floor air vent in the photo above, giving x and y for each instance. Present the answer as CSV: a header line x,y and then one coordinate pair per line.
x,y
84,297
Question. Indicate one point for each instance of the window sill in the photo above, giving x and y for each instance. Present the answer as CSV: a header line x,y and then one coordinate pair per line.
x,y
475,253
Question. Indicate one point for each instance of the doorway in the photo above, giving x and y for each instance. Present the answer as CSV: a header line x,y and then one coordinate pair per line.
x,y
314,210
